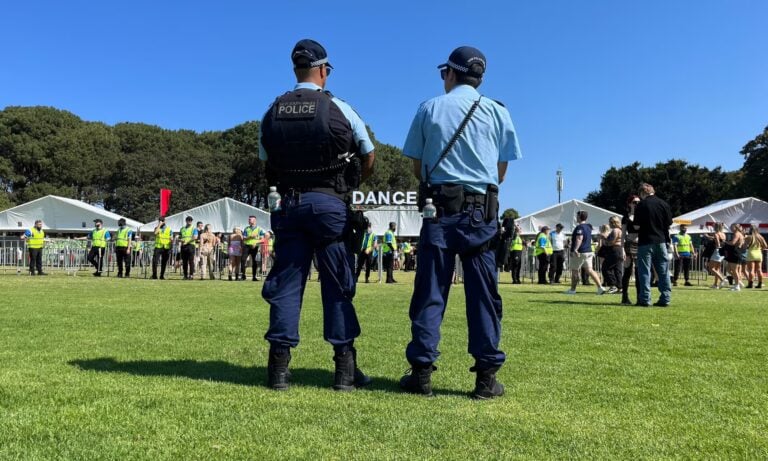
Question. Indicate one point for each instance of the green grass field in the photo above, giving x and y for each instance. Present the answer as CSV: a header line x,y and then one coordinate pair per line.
x,y
139,369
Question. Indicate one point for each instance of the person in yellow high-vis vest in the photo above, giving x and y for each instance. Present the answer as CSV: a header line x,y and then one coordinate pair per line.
x,y
98,237
162,252
684,253
542,250
407,249
188,236
365,255
388,247
252,235
516,247
35,238
123,241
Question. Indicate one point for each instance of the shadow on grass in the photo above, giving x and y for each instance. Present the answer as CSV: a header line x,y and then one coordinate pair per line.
x,y
225,372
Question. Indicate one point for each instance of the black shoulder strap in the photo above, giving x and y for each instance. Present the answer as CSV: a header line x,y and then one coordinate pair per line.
x,y
449,146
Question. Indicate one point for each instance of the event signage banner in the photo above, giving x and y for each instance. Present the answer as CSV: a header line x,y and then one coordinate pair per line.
x,y
379,198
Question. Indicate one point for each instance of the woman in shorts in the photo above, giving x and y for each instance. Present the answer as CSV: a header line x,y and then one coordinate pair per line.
x,y
755,246
235,252
713,253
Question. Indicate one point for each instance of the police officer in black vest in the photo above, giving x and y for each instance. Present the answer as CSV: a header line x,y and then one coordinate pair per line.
x,y
316,148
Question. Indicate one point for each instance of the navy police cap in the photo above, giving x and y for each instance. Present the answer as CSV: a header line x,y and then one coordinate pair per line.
x,y
462,59
309,53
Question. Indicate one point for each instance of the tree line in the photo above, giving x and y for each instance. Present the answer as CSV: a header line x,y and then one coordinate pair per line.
x,y
46,151
685,186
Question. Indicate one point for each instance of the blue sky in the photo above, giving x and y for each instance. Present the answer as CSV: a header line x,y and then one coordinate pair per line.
x,y
588,84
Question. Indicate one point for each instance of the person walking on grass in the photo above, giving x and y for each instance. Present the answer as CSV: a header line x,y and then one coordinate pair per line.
x,y
652,220
630,249
235,251
581,254
714,254
684,253
755,244
735,256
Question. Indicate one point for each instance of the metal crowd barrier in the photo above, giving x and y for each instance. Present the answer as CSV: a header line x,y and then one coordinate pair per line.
x,y
71,257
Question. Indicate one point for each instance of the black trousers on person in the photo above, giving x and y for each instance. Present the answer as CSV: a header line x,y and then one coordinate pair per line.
x,y
252,252
96,257
388,261
408,264
628,271
162,256
123,257
543,259
363,259
35,260
515,264
684,263
613,268
188,260
556,262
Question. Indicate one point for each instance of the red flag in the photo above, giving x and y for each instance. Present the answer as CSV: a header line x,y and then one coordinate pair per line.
x,y
165,201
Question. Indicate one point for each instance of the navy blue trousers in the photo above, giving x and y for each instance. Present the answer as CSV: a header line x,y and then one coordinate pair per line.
x,y
439,243
315,224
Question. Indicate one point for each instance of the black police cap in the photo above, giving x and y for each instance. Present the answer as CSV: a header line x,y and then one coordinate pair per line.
x,y
308,53
462,59
98,221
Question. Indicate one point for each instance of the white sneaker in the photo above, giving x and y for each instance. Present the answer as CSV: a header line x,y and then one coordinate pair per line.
x,y
601,290
570,292
613,290
736,288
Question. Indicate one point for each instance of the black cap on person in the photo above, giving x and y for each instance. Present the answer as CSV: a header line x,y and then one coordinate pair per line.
x,y
462,60
308,53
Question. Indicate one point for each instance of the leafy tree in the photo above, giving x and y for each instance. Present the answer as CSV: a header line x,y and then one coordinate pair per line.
x,y
755,168
510,213
684,186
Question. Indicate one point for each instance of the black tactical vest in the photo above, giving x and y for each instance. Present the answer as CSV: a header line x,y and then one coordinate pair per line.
x,y
309,144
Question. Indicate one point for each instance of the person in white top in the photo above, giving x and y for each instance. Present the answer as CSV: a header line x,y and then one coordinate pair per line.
x,y
557,259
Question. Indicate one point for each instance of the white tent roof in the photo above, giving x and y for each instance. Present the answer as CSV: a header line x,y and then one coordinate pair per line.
x,y
741,210
59,214
565,214
223,215
407,218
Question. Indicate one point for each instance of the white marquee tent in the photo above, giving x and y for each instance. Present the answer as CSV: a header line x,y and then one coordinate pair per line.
x,y
565,214
223,215
407,218
59,214
741,210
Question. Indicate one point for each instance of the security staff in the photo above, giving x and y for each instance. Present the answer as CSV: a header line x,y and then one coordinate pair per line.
x,y
364,258
408,253
684,253
557,259
123,241
315,147
187,237
137,250
516,255
388,251
460,144
98,237
543,250
35,239
252,235
162,251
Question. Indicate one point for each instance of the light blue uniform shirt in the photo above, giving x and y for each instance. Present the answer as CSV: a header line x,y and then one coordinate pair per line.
x,y
359,133
489,138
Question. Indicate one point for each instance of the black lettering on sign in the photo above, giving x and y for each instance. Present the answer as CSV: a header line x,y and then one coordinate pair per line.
x,y
296,109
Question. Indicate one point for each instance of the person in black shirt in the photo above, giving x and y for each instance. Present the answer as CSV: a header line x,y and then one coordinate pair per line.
x,y
652,220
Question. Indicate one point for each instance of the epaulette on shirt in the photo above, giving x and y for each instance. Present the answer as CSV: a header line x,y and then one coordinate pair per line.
x,y
498,102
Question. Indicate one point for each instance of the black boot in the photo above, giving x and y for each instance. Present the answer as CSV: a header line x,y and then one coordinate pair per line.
x,y
626,301
277,370
486,386
749,285
348,377
419,381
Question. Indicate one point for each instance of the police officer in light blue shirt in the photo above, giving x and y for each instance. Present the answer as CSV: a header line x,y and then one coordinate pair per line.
x,y
462,178
316,150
